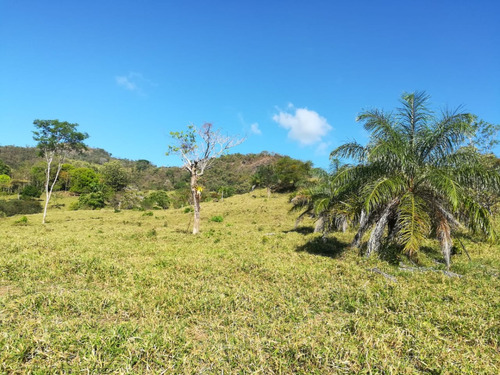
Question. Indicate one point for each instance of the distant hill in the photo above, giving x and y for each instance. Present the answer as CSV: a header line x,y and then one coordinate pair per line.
x,y
16,156
234,170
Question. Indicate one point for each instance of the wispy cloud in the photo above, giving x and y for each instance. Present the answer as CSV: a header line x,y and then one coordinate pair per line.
x,y
254,129
304,126
134,82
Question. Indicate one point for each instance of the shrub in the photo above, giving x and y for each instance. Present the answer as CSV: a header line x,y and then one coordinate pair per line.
x,y
23,220
157,199
128,199
20,207
31,191
92,200
217,219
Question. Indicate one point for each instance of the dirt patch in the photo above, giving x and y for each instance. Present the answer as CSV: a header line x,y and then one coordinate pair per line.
x,y
8,290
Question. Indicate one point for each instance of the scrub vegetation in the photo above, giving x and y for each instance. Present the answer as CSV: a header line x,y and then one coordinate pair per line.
x,y
113,291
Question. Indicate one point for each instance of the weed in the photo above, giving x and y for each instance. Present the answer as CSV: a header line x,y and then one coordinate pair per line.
x,y
23,220
217,219
151,233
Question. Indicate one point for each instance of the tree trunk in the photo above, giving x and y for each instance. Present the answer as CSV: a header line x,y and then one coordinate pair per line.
x,y
268,192
364,224
196,193
344,224
377,233
319,226
47,194
444,236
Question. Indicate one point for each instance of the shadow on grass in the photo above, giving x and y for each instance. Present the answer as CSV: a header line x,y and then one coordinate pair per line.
x,y
391,254
328,247
301,230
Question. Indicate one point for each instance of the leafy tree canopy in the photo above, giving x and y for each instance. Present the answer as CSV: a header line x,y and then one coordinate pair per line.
x,y
5,169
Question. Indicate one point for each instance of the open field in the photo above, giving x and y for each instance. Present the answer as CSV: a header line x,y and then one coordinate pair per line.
x,y
133,292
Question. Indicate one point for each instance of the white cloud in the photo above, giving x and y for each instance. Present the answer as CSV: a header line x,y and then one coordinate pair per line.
x,y
305,126
134,82
254,128
125,82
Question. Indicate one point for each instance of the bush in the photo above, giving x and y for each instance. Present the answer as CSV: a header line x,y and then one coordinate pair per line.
x,y
128,199
31,191
92,200
21,207
23,220
217,219
157,199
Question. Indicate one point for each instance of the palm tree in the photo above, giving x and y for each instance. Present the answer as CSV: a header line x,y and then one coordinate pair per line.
x,y
332,207
417,176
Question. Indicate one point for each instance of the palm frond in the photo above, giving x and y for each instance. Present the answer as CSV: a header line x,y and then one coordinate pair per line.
x,y
413,223
352,150
381,191
414,114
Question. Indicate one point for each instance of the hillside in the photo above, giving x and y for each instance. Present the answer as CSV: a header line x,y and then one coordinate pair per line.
x,y
234,170
134,292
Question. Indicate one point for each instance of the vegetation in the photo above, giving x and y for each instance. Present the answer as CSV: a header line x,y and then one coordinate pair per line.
x,y
106,292
129,290
417,177
198,148
285,175
55,140
19,207
30,191
4,169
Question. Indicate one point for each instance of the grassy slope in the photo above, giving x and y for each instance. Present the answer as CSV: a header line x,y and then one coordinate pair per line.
x,y
105,292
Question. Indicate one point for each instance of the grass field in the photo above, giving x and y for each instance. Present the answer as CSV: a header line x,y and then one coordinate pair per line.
x,y
100,292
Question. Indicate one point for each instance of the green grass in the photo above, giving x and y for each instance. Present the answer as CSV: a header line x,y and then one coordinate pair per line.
x,y
120,292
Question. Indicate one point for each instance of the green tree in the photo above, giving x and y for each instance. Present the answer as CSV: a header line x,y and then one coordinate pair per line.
x,y
55,140
291,173
198,148
115,175
5,182
266,176
5,169
143,165
157,199
417,176
83,180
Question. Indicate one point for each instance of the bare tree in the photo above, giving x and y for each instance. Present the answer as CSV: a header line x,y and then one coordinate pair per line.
x,y
198,148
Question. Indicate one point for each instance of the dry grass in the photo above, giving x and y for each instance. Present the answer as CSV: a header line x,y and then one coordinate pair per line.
x,y
105,292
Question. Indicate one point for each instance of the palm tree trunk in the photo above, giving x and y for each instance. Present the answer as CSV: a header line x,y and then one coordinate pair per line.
x,y
364,224
319,225
378,232
444,236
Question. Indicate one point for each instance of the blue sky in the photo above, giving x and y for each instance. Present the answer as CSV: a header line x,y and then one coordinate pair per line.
x,y
291,76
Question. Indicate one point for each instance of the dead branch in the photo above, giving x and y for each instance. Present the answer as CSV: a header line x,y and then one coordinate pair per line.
x,y
386,275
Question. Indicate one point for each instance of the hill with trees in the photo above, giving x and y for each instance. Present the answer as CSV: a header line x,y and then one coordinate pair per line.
x,y
125,183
